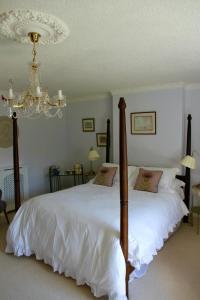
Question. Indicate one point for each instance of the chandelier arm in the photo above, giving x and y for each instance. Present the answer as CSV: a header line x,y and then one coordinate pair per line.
x,y
34,52
19,105
4,98
51,104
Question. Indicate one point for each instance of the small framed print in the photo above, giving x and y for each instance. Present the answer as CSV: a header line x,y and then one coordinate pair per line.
x,y
88,125
143,122
101,139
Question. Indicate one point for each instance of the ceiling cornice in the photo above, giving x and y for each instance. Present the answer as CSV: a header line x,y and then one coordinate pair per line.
x,y
92,97
147,88
192,86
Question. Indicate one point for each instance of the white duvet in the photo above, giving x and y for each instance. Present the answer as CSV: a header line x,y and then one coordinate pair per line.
x,y
76,231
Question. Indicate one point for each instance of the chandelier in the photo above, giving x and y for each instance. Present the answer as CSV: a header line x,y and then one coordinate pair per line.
x,y
34,101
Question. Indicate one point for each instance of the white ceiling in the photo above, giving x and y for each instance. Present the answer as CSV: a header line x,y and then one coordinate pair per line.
x,y
113,44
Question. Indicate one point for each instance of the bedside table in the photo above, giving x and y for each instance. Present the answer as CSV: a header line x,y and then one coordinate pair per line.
x,y
195,209
89,176
56,181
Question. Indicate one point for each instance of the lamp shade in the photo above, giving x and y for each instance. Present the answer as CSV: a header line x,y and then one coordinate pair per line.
x,y
189,162
93,154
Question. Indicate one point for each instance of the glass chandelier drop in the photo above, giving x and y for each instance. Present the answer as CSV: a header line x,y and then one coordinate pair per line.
x,y
34,101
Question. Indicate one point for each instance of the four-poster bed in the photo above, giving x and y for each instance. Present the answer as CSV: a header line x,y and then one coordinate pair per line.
x,y
103,252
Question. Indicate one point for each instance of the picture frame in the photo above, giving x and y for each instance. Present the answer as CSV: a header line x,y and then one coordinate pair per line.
x,y
101,139
88,125
143,123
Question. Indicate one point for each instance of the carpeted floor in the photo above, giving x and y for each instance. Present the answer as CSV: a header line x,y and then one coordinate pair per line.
x,y
173,275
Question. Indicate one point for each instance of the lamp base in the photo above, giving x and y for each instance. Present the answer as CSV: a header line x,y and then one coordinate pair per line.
x,y
91,173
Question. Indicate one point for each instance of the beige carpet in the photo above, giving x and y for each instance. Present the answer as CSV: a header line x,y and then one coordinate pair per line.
x,y
173,275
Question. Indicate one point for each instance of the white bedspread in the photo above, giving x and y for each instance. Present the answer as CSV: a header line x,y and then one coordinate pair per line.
x,y
76,231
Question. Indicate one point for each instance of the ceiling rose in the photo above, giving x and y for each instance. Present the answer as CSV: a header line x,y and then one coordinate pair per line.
x,y
16,24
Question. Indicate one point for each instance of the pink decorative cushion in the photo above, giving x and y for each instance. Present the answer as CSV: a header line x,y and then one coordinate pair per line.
x,y
105,176
148,180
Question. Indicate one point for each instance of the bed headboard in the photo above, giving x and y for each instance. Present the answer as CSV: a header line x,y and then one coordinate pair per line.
x,y
108,142
186,177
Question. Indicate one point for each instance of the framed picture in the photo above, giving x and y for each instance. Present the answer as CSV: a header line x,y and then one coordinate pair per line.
x,y
88,125
101,139
143,122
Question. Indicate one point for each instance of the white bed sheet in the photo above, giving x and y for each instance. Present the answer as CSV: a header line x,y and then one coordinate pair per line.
x,y
76,231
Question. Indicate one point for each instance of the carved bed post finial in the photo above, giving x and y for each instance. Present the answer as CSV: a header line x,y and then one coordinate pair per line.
x,y
122,103
123,184
16,163
108,142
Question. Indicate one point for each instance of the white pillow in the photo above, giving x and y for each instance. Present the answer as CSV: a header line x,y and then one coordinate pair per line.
x,y
133,172
177,183
177,187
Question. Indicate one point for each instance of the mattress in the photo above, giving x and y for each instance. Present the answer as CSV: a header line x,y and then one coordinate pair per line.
x,y
76,231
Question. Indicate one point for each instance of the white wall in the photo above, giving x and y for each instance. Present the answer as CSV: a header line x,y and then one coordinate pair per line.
x,y
79,142
166,147
42,143
5,153
61,142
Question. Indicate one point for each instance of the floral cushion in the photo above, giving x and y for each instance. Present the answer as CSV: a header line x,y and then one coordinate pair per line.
x,y
105,176
148,180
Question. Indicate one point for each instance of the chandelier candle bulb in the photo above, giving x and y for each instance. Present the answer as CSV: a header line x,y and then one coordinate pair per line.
x,y
38,92
60,95
11,96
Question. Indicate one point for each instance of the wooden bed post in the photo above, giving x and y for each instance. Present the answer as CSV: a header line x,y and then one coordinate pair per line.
x,y
16,163
108,142
123,187
123,178
186,176
187,171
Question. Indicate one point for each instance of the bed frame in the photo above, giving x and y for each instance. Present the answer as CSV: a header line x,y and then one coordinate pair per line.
x,y
123,162
108,141
186,178
16,163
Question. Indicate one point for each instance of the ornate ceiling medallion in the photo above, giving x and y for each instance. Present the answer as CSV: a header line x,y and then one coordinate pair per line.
x,y
16,24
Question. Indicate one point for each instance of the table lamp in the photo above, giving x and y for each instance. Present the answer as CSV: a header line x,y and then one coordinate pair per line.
x,y
92,156
189,162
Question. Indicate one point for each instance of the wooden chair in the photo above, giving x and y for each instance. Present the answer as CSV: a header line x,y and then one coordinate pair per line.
x,y
3,207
